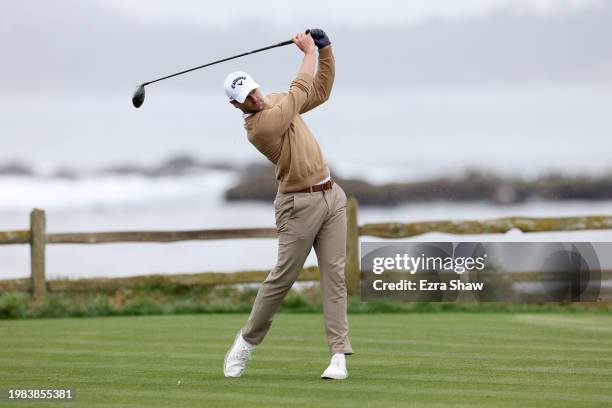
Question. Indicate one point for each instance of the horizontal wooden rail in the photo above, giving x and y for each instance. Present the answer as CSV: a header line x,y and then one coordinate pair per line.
x,y
158,236
255,276
15,237
492,226
37,237
381,230
207,278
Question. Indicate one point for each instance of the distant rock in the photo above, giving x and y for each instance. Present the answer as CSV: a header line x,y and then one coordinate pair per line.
x,y
123,169
65,173
179,165
184,164
15,169
557,187
258,182
176,166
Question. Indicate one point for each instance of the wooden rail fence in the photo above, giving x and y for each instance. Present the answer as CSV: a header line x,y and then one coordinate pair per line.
x,y
38,237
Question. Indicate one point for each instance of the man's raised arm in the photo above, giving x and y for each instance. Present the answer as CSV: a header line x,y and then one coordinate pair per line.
x,y
275,121
326,71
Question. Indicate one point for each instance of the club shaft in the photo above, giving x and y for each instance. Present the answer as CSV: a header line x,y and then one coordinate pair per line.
x,y
221,60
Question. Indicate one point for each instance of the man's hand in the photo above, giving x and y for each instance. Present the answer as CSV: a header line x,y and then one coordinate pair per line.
x,y
320,38
304,42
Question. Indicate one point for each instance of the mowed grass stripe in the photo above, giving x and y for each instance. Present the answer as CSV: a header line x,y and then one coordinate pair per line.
x,y
161,367
420,360
280,343
478,377
355,392
500,324
103,344
416,348
128,379
36,355
368,390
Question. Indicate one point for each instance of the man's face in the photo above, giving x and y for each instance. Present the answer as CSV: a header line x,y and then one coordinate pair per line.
x,y
253,103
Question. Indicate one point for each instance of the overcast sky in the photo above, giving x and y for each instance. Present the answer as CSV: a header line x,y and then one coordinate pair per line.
x,y
67,45
348,12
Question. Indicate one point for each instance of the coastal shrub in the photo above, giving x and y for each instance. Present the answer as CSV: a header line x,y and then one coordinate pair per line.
x,y
13,305
16,305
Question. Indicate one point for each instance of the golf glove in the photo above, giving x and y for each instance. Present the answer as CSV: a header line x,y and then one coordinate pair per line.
x,y
320,38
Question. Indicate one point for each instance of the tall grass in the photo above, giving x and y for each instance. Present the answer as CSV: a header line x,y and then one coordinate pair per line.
x,y
164,301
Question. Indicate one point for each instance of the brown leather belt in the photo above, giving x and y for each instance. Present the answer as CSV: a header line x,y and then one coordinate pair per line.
x,y
319,187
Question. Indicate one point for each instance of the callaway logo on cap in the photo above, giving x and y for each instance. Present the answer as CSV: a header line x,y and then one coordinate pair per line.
x,y
238,85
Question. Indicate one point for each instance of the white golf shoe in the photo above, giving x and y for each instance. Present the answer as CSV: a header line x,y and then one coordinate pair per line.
x,y
237,357
336,369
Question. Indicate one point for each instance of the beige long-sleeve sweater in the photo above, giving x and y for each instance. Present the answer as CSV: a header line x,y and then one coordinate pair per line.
x,y
279,132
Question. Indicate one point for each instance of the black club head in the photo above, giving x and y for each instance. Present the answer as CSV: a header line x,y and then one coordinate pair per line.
x,y
139,96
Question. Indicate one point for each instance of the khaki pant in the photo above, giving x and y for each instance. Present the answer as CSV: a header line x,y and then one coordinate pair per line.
x,y
304,220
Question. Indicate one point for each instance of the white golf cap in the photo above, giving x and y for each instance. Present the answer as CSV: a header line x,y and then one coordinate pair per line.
x,y
238,85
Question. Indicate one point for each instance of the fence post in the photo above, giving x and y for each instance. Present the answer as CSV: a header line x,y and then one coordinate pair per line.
x,y
38,240
351,269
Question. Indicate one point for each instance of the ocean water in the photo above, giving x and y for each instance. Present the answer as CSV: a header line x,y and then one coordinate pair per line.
x,y
379,135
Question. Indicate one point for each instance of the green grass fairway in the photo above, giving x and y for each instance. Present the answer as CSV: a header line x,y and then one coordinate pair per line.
x,y
437,359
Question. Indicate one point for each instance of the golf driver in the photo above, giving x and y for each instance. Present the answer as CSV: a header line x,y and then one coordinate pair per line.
x,y
139,94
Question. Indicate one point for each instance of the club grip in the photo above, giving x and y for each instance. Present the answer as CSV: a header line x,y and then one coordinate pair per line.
x,y
291,41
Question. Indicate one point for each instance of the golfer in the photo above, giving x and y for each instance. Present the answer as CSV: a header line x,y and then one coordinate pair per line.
x,y
310,208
